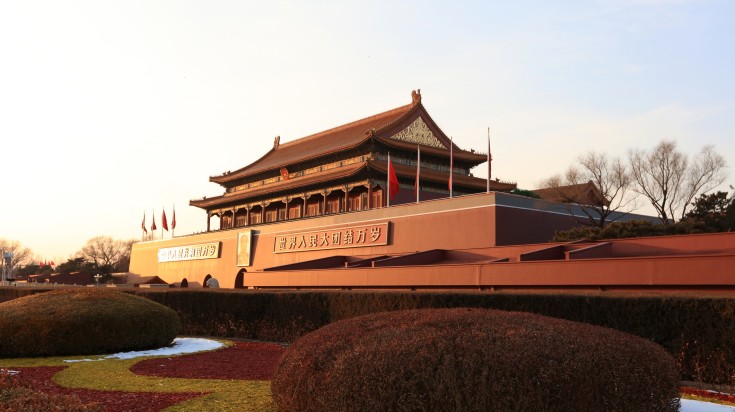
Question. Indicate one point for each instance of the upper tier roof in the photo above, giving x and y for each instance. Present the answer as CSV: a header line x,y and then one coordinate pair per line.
x,y
350,135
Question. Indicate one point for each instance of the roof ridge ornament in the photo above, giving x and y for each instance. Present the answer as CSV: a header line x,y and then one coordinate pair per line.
x,y
415,96
276,142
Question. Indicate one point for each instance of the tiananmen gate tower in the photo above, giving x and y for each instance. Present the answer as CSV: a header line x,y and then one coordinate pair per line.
x,y
315,212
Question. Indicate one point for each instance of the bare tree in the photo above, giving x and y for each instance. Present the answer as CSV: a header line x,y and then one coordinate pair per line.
x,y
107,253
598,185
21,254
667,178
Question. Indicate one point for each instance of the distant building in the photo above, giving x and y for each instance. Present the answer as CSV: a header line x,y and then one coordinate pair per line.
x,y
72,278
583,194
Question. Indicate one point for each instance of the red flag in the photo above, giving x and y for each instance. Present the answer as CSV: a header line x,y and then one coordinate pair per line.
x,y
52,263
173,221
163,220
40,264
153,226
393,187
142,225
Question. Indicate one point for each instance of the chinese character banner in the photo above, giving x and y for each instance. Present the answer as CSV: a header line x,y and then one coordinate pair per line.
x,y
191,252
345,237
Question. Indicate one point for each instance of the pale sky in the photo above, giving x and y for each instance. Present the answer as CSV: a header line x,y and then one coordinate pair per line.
x,y
109,109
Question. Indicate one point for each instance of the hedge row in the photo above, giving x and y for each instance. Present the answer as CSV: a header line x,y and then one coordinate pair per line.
x,y
699,332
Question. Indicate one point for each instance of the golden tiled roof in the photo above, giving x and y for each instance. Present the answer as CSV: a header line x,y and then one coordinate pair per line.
x,y
380,126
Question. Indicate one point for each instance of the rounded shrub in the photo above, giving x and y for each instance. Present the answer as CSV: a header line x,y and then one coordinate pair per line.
x,y
473,360
83,322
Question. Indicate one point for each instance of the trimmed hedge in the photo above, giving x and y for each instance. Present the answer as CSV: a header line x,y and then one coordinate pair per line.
x,y
699,332
473,360
83,322
266,316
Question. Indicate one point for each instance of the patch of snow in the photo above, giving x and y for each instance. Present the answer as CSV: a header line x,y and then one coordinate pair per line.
x,y
180,346
690,405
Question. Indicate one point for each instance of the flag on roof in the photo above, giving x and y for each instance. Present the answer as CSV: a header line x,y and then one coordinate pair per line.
x,y
393,186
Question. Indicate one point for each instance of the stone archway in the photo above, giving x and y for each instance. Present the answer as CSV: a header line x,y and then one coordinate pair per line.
x,y
240,279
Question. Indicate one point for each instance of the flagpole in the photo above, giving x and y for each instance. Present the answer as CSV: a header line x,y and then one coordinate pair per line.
x,y
387,181
418,173
489,159
451,166
153,224
173,222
